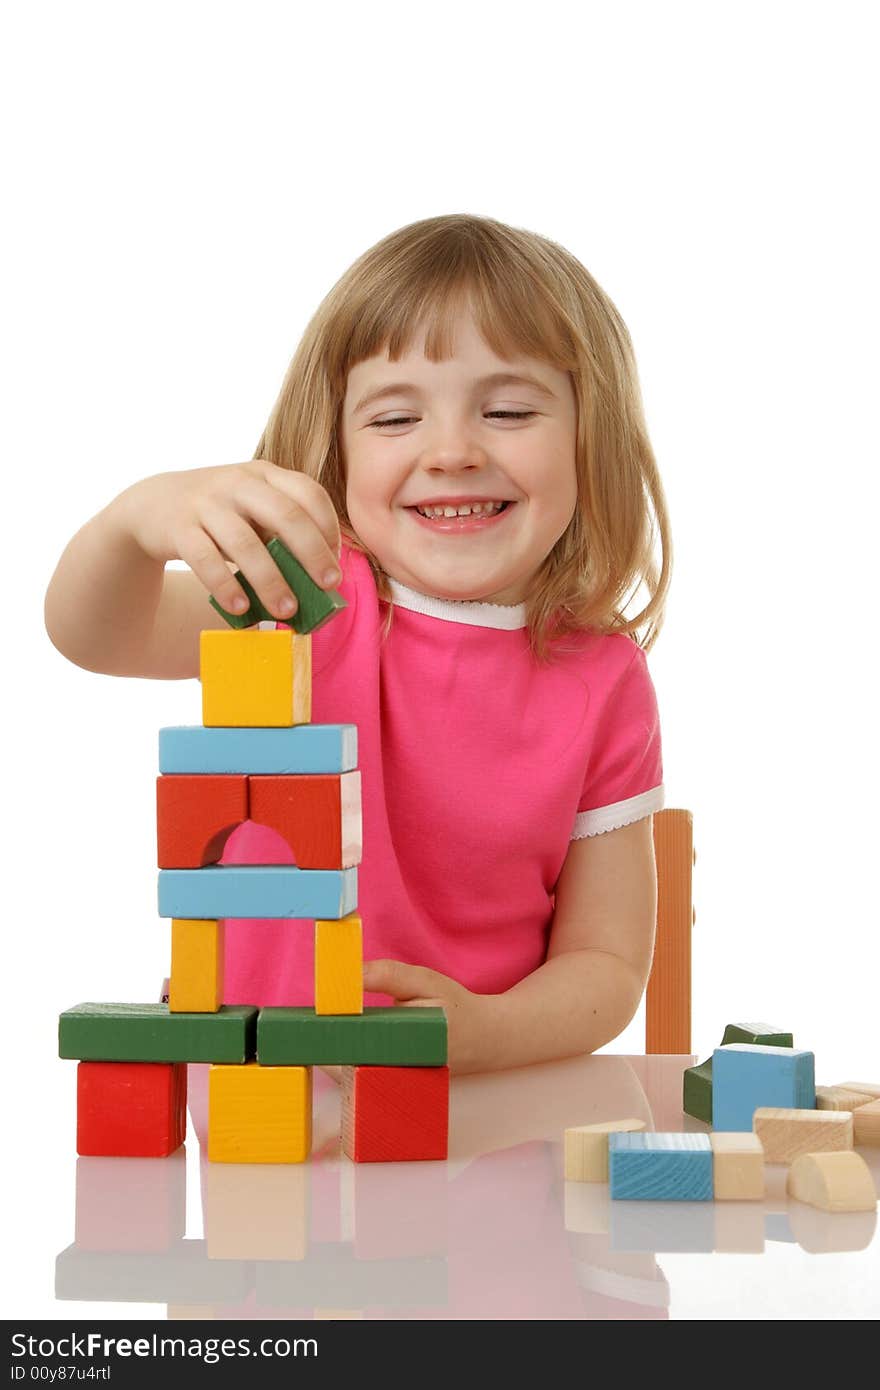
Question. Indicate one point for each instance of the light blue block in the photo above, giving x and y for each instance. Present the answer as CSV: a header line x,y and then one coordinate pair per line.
x,y
257,890
746,1076
303,748
660,1167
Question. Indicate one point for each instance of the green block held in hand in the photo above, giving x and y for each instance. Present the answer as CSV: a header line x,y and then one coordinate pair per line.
x,y
316,605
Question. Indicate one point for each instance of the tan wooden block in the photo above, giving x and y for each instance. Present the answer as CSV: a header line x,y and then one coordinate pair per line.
x,y
839,1098
586,1149
871,1089
866,1124
737,1166
833,1182
786,1134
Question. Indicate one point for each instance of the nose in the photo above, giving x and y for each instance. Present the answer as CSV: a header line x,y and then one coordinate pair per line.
x,y
452,448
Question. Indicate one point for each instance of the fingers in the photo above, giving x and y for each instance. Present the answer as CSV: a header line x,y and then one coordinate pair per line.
x,y
402,982
309,495
208,565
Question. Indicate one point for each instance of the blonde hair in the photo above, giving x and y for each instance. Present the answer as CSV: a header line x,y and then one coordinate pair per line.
x,y
528,295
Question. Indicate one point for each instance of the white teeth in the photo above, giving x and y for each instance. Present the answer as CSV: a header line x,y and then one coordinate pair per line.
x,y
466,509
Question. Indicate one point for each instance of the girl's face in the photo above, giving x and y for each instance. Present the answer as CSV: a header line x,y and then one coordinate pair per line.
x,y
473,428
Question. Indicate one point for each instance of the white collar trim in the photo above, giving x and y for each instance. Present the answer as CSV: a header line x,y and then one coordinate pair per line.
x,y
507,616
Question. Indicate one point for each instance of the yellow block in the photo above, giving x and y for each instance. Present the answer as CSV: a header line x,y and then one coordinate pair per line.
x,y
253,679
339,966
259,1114
196,966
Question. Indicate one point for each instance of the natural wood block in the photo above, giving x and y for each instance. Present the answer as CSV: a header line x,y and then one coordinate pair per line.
x,y
195,816
788,1133
130,1109
151,1033
871,1089
398,1037
257,1211
832,1182
838,1098
259,1114
737,1166
318,815
315,606
866,1124
306,748
339,966
255,679
668,996
395,1114
586,1149
197,949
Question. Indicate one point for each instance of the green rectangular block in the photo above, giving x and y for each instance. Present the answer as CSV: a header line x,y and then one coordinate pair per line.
x,y
389,1037
151,1033
316,605
759,1034
697,1092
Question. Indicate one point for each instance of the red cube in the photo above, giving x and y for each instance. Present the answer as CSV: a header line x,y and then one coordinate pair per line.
x,y
130,1109
395,1114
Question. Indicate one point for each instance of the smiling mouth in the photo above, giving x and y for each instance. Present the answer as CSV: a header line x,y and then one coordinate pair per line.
x,y
471,510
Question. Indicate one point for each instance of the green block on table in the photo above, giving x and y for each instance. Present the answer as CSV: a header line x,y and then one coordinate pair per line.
x,y
151,1033
759,1034
316,605
389,1037
697,1092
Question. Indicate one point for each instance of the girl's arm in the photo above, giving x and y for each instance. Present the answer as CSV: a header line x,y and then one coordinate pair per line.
x,y
112,607
598,961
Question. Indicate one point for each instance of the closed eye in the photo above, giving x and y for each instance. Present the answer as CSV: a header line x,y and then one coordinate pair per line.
x,y
407,419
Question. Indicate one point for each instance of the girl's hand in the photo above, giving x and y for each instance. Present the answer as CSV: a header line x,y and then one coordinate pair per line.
x,y
469,1016
206,516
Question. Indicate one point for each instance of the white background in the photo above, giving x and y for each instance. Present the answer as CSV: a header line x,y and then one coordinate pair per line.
x,y
184,182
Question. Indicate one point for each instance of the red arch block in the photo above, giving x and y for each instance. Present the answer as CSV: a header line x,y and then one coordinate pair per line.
x,y
318,814
195,815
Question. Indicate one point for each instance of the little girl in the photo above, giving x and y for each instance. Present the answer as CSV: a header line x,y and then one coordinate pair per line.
x,y
459,447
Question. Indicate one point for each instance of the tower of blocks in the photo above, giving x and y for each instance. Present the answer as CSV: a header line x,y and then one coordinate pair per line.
x,y
257,756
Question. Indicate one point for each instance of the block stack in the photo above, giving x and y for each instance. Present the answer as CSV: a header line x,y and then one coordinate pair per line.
x,y
257,756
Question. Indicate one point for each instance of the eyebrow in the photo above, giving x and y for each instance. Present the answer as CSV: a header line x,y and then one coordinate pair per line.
x,y
495,379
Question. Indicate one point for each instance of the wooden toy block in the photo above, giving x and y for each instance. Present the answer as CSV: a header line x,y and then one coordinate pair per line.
x,y
257,890
585,1148
151,1033
196,966
255,679
737,1167
668,996
838,1098
866,1124
195,815
395,1114
660,1167
136,1205
319,815
395,1037
257,1211
696,1097
787,1133
339,966
869,1089
130,1109
259,1114
832,1182
760,1034
191,748
316,606
745,1076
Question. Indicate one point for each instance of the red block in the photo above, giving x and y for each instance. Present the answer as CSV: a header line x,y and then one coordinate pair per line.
x,y
195,815
395,1114
130,1109
318,814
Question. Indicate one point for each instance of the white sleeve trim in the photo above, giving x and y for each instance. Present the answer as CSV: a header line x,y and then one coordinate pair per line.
x,y
618,813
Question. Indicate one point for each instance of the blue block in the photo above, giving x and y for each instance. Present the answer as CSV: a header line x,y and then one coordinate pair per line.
x,y
304,748
746,1075
660,1167
274,890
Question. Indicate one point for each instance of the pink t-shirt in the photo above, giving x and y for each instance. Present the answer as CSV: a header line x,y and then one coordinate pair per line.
x,y
478,767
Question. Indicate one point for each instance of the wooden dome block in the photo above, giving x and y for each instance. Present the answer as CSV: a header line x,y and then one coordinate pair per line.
x,y
833,1182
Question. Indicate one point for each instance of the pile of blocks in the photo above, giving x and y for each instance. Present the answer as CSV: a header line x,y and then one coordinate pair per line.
x,y
258,757
758,1093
